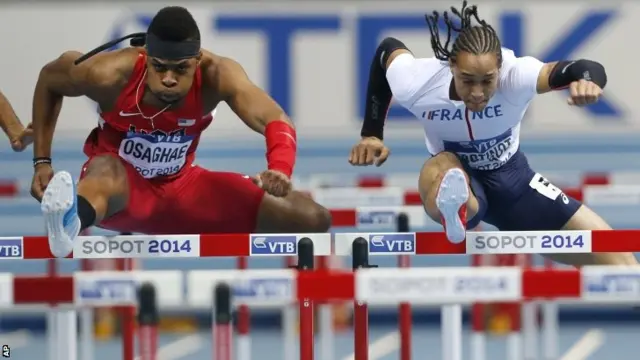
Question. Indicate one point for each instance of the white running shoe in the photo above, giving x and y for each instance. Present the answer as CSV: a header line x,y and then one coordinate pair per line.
x,y
60,211
452,198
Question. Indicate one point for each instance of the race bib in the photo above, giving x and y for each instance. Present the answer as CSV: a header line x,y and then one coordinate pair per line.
x,y
486,154
155,155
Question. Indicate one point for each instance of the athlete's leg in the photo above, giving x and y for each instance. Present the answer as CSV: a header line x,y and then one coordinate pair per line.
x,y
524,200
446,194
296,212
104,185
204,201
587,219
102,191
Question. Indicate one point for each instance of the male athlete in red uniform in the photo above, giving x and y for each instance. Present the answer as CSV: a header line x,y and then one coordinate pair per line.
x,y
155,102
19,136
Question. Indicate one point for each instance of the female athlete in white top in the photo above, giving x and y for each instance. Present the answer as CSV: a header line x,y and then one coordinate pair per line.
x,y
470,98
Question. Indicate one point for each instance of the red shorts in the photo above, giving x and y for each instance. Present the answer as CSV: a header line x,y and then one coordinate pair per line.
x,y
197,201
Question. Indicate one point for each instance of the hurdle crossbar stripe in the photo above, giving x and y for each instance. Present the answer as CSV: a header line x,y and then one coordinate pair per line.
x,y
447,285
167,246
227,245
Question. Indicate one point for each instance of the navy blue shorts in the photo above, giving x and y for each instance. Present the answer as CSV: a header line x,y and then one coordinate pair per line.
x,y
514,197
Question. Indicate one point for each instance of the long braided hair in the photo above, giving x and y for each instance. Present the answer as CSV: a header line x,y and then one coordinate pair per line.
x,y
474,39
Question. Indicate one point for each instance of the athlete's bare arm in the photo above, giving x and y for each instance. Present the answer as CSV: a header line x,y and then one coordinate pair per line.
x,y
9,121
98,78
252,104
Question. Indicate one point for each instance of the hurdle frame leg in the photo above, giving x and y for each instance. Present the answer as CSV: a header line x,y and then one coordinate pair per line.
x,y
404,309
451,330
52,336
243,323
530,330
360,260
67,329
86,334
148,318
478,346
289,318
289,314
222,328
325,325
550,330
306,313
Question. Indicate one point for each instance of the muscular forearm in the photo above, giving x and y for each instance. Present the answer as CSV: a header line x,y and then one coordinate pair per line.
x,y
46,108
9,122
260,124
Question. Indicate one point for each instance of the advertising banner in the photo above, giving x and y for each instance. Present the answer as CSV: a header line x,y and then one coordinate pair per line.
x,y
313,56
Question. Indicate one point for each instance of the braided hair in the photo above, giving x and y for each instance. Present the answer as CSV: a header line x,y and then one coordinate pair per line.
x,y
477,39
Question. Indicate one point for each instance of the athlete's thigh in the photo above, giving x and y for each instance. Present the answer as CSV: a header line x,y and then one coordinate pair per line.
x,y
429,181
204,201
143,201
541,206
586,219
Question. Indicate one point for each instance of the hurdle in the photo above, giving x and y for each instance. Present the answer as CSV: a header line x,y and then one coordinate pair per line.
x,y
62,291
379,286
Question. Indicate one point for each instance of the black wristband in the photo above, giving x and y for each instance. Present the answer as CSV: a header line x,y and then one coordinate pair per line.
x,y
41,160
378,90
566,72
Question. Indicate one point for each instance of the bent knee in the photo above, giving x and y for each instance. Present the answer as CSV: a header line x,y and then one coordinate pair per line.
x,y
434,169
317,218
106,172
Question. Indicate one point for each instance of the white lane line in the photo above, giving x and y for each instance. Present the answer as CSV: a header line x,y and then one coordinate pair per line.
x,y
180,348
381,347
588,344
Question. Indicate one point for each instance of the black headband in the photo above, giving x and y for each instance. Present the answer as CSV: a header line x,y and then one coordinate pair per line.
x,y
172,50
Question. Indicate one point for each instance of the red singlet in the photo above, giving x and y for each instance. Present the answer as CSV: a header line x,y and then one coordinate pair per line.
x,y
160,146
167,193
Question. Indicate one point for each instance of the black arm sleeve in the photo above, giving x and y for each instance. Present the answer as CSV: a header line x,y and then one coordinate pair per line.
x,y
566,72
378,90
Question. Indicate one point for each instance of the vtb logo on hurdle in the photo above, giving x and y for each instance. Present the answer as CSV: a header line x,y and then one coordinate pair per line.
x,y
120,290
392,243
274,245
614,284
264,288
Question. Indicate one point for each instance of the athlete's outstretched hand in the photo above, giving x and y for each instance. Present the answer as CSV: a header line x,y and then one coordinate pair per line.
x,y
22,140
583,92
274,183
368,151
41,177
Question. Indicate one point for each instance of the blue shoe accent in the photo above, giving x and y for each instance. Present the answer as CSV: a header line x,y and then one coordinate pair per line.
x,y
60,211
72,213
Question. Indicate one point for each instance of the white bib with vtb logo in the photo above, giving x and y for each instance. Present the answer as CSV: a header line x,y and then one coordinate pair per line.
x,y
155,155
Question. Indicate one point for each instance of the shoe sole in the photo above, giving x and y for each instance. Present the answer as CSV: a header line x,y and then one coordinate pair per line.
x,y
57,200
452,195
